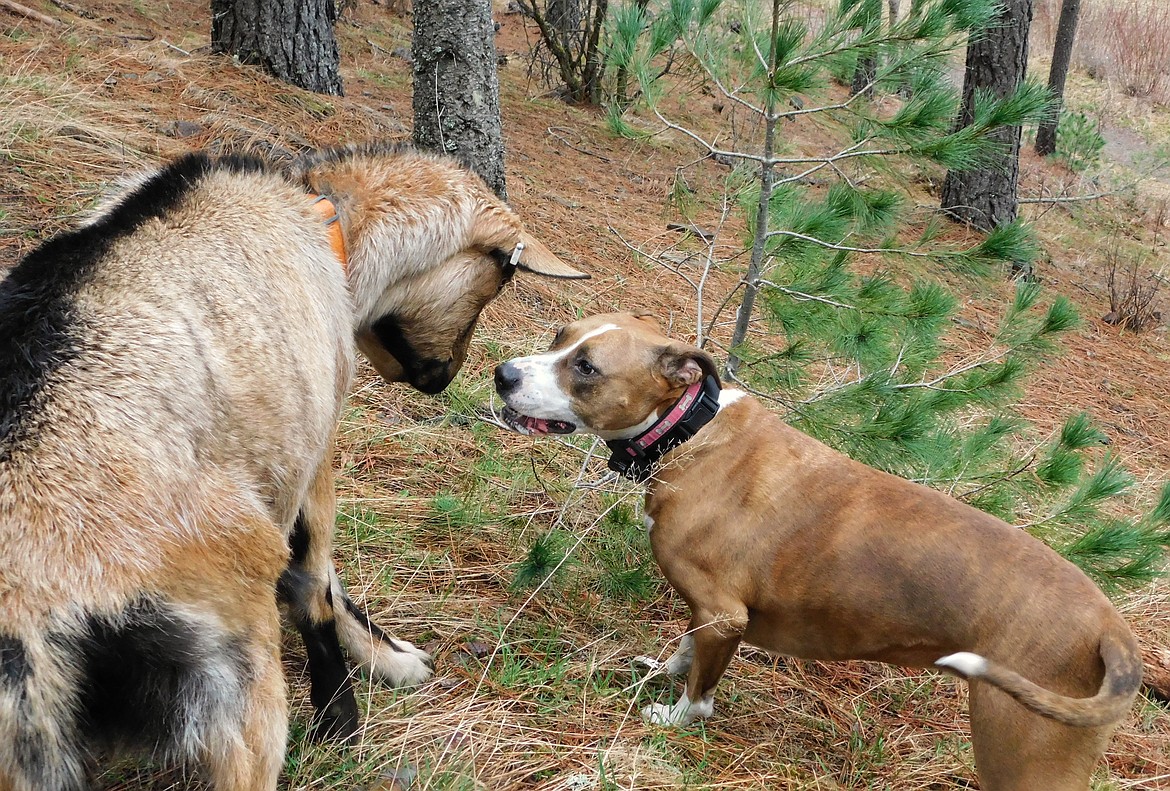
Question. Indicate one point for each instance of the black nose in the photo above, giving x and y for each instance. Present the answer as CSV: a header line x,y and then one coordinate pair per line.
x,y
507,378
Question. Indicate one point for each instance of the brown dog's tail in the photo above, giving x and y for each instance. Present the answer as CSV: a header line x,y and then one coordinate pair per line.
x,y
1123,676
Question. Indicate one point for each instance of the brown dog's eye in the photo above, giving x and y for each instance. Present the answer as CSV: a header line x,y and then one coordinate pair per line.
x,y
584,367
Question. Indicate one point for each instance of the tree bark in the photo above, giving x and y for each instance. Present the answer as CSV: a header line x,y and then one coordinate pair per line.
x,y
290,39
996,61
564,16
1066,32
456,86
864,75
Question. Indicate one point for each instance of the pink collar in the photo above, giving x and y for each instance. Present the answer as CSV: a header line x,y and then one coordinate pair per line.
x,y
695,408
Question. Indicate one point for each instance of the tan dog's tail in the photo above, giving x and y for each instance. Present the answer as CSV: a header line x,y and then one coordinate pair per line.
x,y
1123,676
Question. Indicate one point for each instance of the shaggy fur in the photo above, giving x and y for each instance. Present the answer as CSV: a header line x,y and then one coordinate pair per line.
x,y
171,376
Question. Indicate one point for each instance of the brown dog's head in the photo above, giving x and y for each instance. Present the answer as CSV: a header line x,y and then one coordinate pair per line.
x,y
610,375
429,247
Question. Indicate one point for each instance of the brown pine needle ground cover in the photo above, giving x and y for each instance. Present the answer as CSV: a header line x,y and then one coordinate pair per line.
x,y
438,507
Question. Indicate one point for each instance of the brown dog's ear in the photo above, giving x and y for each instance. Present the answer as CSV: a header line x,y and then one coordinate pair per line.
x,y
683,365
646,317
383,361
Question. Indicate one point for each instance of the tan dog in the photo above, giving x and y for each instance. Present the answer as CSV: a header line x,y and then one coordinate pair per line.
x,y
773,538
171,376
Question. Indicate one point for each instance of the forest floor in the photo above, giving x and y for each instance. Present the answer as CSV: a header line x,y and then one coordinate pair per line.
x,y
536,688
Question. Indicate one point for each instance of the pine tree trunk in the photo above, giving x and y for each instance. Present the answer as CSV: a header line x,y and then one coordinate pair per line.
x,y
564,16
996,61
456,87
291,39
1066,32
893,12
864,75
755,270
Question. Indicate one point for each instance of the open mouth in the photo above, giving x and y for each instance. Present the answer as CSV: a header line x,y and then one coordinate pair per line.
x,y
535,425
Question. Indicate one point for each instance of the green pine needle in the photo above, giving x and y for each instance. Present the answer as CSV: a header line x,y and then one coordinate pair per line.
x,y
1013,242
544,556
1160,516
1061,317
1108,481
1063,467
1079,433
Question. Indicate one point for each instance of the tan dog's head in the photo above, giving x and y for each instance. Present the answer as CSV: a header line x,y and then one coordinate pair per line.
x,y
609,375
429,247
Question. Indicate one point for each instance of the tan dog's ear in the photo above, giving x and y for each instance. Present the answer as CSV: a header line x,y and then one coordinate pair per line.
x,y
535,257
683,365
384,363
497,228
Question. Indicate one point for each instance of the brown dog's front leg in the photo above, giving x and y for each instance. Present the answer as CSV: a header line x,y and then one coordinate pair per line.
x,y
712,643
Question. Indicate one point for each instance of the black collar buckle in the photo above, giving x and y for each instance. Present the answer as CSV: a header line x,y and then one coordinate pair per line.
x,y
635,458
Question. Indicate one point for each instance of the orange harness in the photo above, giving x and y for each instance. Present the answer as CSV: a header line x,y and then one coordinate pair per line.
x,y
328,211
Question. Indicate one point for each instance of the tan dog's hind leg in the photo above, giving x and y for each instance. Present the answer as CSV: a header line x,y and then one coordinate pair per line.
x,y
250,759
712,638
1017,750
394,662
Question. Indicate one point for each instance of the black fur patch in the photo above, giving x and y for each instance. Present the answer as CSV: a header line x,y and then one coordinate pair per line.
x,y
330,689
298,540
14,667
138,670
40,327
426,374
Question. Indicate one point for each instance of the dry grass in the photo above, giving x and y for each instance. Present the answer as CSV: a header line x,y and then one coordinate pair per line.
x,y
438,507
1124,41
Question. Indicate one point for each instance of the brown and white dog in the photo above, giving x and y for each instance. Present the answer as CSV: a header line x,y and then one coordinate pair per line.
x,y
775,539
171,377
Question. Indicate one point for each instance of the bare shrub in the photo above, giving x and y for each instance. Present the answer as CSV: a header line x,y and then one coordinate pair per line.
x,y
570,36
1124,41
1132,292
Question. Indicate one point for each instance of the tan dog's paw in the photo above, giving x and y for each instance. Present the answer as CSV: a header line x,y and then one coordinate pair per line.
x,y
401,664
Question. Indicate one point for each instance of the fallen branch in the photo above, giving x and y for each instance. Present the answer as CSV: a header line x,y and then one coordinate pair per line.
x,y
556,133
28,13
73,8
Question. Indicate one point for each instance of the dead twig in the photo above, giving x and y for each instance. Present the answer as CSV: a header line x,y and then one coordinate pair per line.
x,y
556,132
28,13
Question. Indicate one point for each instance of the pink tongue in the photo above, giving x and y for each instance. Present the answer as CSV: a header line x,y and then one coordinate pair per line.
x,y
537,425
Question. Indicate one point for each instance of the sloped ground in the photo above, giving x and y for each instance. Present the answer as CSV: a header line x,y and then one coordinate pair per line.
x,y
536,690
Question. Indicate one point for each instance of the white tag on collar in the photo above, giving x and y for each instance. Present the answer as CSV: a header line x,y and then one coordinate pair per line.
x,y
515,260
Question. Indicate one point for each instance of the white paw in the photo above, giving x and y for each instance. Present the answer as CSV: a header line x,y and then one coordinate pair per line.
x,y
407,666
684,712
660,714
650,663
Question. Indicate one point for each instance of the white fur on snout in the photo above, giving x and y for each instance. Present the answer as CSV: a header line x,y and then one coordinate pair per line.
x,y
539,394
965,663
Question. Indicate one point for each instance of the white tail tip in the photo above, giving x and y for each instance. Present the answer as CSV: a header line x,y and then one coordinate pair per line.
x,y
965,663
